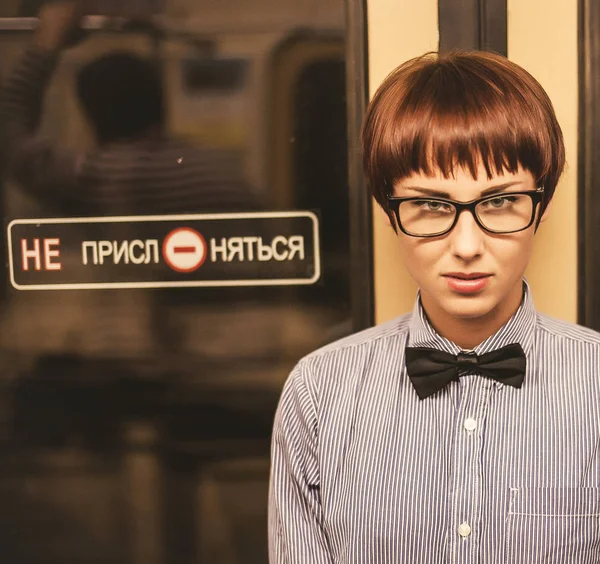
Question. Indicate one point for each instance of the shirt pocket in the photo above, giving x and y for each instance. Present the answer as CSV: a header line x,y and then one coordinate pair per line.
x,y
553,525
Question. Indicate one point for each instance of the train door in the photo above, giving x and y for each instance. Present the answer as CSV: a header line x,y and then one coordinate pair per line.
x,y
156,298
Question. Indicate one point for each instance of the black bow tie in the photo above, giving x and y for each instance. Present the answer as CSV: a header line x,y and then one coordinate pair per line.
x,y
430,370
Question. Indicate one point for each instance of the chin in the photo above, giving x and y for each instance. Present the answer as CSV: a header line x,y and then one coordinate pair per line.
x,y
470,307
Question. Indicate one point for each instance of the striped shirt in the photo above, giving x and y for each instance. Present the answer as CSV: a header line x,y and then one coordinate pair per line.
x,y
151,175
363,471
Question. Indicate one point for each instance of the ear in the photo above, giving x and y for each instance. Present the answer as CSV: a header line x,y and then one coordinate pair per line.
x,y
385,216
391,222
546,211
388,220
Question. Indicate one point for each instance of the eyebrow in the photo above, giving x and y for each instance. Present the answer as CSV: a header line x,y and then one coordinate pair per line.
x,y
442,194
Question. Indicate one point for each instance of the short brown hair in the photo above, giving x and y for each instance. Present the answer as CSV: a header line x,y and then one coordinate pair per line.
x,y
440,111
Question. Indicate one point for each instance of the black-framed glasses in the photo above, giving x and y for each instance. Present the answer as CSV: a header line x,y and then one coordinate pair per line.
x,y
502,213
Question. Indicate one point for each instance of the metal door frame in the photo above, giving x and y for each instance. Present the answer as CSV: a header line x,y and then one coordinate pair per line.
x,y
361,224
473,24
588,194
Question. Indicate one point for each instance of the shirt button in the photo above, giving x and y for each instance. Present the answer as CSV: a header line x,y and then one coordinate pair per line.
x,y
464,530
470,424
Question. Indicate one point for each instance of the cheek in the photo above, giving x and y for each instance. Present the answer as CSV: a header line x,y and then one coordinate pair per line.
x,y
419,255
514,251
423,257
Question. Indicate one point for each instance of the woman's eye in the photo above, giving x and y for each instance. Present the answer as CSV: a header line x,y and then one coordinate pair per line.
x,y
432,205
501,201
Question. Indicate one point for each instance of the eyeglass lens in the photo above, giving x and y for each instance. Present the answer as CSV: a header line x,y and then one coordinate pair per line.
x,y
501,214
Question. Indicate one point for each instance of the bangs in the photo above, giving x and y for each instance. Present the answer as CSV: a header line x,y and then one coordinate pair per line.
x,y
436,114
448,124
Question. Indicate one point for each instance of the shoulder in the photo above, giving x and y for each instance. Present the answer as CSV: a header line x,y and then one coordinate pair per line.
x,y
331,375
348,359
563,331
364,339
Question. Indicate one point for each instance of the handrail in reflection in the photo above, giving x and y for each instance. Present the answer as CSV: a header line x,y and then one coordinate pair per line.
x,y
161,24
30,24
156,27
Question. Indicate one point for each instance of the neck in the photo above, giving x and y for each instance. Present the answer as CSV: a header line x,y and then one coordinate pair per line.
x,y
467,332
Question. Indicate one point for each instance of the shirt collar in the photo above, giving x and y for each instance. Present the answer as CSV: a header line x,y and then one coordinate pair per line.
x,y
519,328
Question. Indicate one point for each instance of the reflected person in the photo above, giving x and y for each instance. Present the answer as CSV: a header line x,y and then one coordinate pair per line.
x,y
136,168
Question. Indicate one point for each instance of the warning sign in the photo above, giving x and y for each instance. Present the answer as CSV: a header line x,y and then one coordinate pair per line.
x,y
184,249
246,249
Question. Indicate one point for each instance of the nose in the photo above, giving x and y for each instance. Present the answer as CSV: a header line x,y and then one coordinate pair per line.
x,y
467,238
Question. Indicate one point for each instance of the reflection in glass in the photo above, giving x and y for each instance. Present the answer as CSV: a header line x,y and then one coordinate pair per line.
x,y
136,423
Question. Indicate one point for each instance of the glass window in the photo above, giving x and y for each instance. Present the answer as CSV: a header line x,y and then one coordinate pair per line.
x,y
136,422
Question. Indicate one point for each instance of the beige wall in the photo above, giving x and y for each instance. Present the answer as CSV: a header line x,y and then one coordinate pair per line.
x,y
398,31
542,36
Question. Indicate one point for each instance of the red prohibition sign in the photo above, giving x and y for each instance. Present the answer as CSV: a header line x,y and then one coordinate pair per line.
x,y
184,249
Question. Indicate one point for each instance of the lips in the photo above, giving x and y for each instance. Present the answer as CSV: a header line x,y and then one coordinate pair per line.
x,y
467,276
467,282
